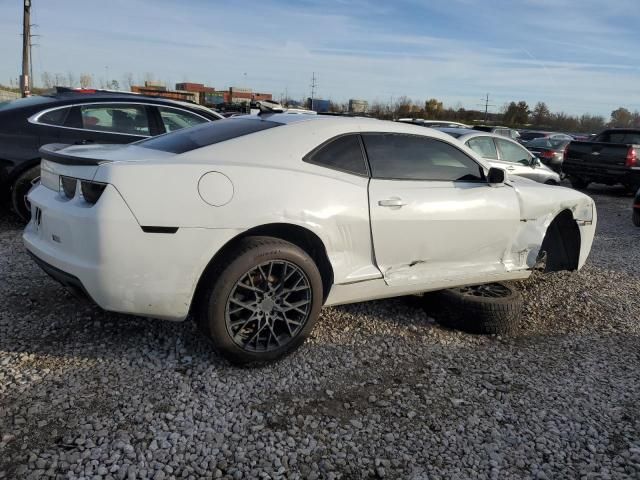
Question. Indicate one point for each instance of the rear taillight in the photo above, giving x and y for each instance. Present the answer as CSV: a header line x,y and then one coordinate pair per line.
x,y
68,186
91,191
632,158
547,154
566,150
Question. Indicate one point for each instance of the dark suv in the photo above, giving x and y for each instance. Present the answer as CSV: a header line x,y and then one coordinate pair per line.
x,y
77,117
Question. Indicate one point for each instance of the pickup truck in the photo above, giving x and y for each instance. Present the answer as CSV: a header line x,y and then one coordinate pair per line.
x,y
611,158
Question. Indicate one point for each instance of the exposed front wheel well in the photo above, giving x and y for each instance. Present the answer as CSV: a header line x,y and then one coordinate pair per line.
x,y
299,236
561,243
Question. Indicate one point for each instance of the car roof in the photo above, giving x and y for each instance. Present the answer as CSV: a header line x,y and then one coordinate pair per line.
x,y
482,133
70,97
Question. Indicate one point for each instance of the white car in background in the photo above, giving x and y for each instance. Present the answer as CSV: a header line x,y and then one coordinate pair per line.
x,y
505,153
256,222
432,123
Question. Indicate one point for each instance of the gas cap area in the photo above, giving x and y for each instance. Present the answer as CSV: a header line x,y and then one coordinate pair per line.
x,y
215,189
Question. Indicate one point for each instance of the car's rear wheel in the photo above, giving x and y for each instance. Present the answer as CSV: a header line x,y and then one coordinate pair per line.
x,y
636,217
579,183
492,308
19,192
262,302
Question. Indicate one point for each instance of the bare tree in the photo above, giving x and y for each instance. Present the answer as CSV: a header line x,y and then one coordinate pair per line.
x,y
59,79
47,80
127,81
71,79
86,80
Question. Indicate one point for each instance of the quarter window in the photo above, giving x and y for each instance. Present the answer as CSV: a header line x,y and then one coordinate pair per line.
x,y
343,153
129,119
54,117
174,119
483,146
413,157
512,152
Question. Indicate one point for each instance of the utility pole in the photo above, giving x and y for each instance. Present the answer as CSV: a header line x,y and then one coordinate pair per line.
x,y
25,80
486,108
314,85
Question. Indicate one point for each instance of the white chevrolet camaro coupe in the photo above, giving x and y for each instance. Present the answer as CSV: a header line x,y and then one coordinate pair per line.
x,y
254,223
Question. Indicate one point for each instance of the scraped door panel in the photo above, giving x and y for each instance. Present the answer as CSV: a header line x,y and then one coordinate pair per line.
x,y
428,231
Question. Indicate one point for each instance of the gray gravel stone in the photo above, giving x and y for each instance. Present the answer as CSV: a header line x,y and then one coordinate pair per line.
x,y
380,390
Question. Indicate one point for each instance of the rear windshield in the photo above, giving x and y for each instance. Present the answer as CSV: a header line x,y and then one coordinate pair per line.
x,y
531,135
557,144
622,136
454,134
188,139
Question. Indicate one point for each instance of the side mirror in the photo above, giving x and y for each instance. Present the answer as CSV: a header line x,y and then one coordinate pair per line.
x,y
496,176
535,162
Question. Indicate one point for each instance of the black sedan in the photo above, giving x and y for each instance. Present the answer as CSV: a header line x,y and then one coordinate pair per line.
x,y
550,151
79,116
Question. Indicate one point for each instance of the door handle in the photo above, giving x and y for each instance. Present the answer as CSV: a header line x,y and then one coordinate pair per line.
x,y
511,169
391,202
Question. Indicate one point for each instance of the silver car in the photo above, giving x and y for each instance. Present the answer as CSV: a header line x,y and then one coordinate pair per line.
x,y
505,153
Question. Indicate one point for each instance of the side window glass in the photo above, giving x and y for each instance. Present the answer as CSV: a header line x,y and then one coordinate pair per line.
x,y
413,157
128,119
55,117
175,119
483,146
343,153
512,152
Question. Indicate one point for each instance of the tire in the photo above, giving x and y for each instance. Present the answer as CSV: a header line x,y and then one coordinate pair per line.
x,y
19,192
636,217
493,308
578,183
242,290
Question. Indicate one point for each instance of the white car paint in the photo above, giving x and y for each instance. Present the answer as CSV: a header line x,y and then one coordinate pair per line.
x,y
445,234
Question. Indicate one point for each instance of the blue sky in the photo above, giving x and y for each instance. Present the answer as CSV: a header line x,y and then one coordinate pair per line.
x,y
577,55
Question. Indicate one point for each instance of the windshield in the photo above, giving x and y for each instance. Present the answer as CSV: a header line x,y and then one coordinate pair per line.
x,y
188,139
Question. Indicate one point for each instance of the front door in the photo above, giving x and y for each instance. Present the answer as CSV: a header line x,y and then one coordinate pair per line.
x,y
433,216
517,160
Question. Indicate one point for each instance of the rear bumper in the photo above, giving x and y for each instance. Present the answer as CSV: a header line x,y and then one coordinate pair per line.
x,y
67,280
101,250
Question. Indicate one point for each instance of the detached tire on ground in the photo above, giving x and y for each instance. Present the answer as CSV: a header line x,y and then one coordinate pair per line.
x,y
20,190
493,308
261,301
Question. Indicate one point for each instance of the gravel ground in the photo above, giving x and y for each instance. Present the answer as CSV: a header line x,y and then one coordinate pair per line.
x,y
380,390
